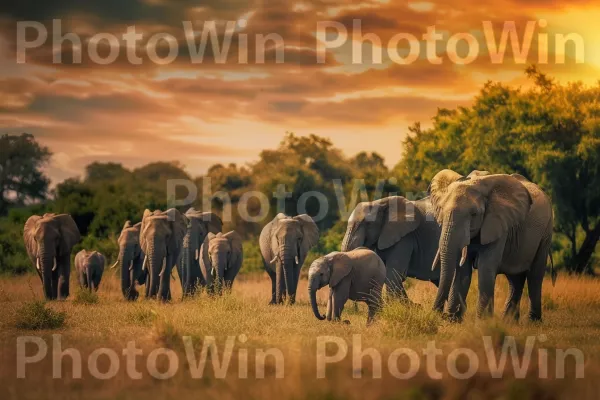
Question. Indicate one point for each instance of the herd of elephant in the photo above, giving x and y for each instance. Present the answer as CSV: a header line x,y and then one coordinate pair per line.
x,y
495,223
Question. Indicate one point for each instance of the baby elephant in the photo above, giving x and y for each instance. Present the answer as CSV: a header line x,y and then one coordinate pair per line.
x,y
89,266
356,275
221,260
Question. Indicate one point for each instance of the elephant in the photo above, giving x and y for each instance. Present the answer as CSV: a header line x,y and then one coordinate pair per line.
x,y
357,275
49,240
403,233
90,267
161,240
130,260
221,260
499,224
188,268
284,244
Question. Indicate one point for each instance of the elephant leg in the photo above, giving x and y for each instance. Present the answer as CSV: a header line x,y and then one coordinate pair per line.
x,y
47,282
329,314
340,295
374,302
82,280
457,301
64,274
274,283
488,261
397,263
535,278
132,294
515,290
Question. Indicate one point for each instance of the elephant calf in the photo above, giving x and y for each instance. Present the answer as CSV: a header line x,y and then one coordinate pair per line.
x,y
90,267
356,275
221,260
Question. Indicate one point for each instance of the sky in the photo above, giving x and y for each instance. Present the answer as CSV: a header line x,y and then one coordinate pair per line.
x,y
153,98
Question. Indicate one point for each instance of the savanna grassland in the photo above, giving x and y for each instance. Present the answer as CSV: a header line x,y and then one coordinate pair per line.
x,y
571,319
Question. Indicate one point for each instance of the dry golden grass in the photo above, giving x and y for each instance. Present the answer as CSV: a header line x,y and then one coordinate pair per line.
x,y
571,319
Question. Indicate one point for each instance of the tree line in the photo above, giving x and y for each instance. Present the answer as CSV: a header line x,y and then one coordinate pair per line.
x,y
548,132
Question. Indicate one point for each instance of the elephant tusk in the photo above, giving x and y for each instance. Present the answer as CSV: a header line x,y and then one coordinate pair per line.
x,y
144,264
463,257
197,254
273,260
37,264
131,265
54,266
115,264
436,260
296,260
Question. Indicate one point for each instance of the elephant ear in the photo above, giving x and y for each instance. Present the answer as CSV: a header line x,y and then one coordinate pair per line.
x,y
508,202
143,227
178,223
310,235
29,235
237,252
340,267
212,221
438,189
69,233
401,218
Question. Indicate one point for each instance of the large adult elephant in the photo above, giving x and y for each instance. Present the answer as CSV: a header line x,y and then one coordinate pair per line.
x,y
505,221
130,260
403,233
199,225
284,244
221,260
49,240
161,240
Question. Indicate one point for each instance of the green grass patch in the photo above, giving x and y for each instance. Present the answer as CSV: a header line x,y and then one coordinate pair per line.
x,y
403,320
36,316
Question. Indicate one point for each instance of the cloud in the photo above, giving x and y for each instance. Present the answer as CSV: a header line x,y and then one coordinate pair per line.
x,y
211,111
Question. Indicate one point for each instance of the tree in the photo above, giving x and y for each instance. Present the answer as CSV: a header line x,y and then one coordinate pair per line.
x,y
550,133
21,178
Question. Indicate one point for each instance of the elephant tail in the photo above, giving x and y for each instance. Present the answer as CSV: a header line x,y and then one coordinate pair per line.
x,y
552,270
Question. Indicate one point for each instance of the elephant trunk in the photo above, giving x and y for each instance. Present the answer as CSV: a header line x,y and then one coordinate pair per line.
x,y
154,263
46,261
125,260
354,237
88,271
219,263
448,258
287,257
313,286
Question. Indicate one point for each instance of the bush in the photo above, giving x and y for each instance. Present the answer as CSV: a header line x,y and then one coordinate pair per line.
x,y
35,316
84,296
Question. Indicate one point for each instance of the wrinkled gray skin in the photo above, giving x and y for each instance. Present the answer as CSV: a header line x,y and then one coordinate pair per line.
x,y
130,260
357,275
403,233
90,267
221,260
188,268
501,224
49,240
284,244
161,240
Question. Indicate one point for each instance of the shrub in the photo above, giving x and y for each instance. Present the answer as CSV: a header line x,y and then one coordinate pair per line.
x,y
85,297
35,316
